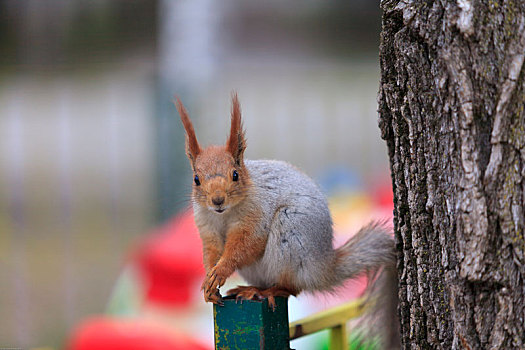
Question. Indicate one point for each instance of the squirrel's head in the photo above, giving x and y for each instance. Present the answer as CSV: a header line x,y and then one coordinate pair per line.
x,y
220,179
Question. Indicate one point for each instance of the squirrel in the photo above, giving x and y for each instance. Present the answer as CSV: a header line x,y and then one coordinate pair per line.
x,y
270,222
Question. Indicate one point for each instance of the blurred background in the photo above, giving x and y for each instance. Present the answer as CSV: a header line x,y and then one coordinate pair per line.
x,y
92,151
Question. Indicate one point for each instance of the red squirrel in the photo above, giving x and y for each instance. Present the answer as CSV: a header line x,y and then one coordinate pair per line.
x,y
270,222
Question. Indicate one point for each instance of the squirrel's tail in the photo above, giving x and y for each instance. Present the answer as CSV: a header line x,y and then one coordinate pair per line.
x,y
369,250
372,251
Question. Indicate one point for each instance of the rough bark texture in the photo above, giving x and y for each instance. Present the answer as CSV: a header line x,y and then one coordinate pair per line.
x,y
451,107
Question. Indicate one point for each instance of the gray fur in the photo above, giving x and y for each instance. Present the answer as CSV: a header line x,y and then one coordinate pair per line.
x,y
300,236
298,224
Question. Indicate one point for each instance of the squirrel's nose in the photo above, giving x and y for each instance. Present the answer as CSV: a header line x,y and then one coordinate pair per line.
x,y
217,200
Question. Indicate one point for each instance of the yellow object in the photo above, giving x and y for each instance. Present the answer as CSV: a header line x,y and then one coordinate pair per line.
x,y
335,319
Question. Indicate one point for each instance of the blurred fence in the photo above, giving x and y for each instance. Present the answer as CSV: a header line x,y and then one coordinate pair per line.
x,y
80,148
78,169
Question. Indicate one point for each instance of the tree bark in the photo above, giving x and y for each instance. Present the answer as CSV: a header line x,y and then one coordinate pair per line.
x,y
451,107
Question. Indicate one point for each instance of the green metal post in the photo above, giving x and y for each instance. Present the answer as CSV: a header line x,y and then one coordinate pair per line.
x,y
251,325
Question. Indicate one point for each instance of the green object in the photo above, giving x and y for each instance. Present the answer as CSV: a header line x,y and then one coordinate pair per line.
x,y
251,324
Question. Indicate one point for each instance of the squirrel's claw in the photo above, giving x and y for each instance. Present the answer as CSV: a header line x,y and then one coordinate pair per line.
x,y
244,292
214,279
254,293
213,282
214,297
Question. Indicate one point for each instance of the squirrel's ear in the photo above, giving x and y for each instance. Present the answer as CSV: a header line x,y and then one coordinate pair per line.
x,y
236,143
192,146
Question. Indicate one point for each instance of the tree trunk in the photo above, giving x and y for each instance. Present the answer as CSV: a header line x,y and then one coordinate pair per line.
x,y
451,106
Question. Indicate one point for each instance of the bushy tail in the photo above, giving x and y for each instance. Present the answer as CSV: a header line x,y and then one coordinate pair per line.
x,y
372,251
369,250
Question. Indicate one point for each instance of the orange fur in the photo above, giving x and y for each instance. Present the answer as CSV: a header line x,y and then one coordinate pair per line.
x,y
212,248
236,143
284,288
213,161
192,146
251,293
242,248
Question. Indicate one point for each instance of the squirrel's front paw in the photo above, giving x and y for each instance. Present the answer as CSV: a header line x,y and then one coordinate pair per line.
x,y
215,278
214,297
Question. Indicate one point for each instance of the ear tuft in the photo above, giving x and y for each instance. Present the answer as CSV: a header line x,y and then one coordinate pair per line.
x,y
192,146
236,143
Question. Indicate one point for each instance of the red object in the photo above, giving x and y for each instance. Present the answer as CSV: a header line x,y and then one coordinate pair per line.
x,y
115,334
383,195
171,261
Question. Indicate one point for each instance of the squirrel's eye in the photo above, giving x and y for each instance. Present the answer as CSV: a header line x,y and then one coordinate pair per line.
x,y
235,176
197,181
